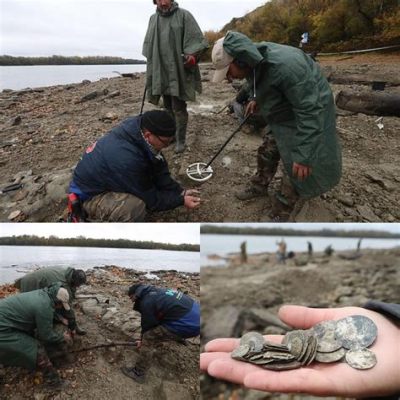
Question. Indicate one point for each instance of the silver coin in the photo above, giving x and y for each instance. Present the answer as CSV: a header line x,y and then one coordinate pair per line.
x,y
276,355
312,344
283,366
356,332
240,352
295,341
275,346
334,356
254,339
325,333
361,358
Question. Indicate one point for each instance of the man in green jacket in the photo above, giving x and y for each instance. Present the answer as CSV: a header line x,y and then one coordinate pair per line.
x,y
20,316
290,92
70,279
172,45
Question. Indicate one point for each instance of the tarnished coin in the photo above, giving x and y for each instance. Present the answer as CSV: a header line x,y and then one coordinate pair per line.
x,y
278,356
325,333
283,366
253,339
295,341
334,356
356,332
311,351
361,358
274,346
240,352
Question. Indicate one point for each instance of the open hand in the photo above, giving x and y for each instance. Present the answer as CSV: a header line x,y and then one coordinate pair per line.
x,y
251,108
337,379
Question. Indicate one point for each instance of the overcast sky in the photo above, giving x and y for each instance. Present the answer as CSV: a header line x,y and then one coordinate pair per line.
x,y
164,233
97,27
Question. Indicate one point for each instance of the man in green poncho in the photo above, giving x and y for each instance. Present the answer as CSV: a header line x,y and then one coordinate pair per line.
x,y
294,98
173,45
20,316
70,278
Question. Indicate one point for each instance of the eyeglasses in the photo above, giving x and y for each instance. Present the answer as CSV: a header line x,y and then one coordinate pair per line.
x,y
165,142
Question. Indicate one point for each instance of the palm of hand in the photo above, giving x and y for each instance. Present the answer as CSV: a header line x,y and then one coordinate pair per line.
x,y
318,379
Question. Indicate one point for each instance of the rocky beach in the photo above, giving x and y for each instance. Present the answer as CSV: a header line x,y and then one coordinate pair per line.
x,y
103,309
44,131
245,297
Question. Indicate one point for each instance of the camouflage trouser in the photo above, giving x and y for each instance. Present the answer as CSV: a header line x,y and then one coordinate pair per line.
x,y
115,207
152,344
268,158
178,109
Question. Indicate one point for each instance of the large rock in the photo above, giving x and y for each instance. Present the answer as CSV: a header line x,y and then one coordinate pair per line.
x,y
223,322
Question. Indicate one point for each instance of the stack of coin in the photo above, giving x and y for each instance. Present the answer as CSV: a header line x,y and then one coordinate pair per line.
x,y
326,342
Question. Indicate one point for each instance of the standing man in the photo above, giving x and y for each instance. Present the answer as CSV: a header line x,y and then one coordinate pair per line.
x,y
166,315
21,316
124,174
290,92
173,46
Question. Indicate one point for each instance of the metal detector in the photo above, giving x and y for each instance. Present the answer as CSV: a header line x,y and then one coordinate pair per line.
x,y
201,172
143,99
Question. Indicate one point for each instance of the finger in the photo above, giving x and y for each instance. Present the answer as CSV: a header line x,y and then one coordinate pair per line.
x,y
228,369
305,317
226,345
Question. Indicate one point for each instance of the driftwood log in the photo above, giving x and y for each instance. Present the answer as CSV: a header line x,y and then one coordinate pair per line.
x,y
360,79
371,103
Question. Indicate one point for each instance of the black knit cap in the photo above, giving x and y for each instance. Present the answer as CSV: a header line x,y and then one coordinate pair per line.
x,y
159,123
133,288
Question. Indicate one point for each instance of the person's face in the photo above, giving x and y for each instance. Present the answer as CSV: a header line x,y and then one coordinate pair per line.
x,y
158,142
236,72
164,5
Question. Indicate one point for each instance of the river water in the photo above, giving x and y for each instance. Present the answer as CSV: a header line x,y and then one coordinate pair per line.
x,y
221,245
21,77
18,260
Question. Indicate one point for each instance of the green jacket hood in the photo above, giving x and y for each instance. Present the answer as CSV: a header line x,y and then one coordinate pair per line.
x,y
240,47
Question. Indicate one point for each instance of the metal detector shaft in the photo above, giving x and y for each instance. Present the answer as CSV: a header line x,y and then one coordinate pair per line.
x,y
143,99
228,140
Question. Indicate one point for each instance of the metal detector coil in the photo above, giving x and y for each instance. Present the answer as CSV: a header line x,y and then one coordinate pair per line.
x,y
199,172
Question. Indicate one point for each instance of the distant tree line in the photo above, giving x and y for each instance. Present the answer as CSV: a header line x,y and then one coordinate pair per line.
x,y
333,25
6,60
232,230
81,241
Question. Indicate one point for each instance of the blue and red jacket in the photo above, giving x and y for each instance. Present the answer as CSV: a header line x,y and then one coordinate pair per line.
x,y
121,161
172,309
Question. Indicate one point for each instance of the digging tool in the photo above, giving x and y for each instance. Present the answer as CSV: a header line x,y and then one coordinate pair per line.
x,y
94,347
201,172
10,188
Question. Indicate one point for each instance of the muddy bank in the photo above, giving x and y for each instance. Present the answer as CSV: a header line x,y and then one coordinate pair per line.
x,y
245,297
105,311
44,132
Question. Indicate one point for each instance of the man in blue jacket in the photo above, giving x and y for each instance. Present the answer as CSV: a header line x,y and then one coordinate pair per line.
x,y
124,173
166,315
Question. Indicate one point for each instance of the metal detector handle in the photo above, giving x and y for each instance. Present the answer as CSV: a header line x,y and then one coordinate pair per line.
x,y
143,99
228,140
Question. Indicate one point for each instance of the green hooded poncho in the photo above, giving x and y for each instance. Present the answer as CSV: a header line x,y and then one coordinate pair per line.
x,y
169,35
45,277
20,315
295,99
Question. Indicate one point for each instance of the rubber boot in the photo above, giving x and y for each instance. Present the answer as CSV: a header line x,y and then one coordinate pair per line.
x,y
181,119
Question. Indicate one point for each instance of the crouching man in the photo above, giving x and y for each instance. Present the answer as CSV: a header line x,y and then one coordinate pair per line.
x,y
20,316
70,279
124,174
166,315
